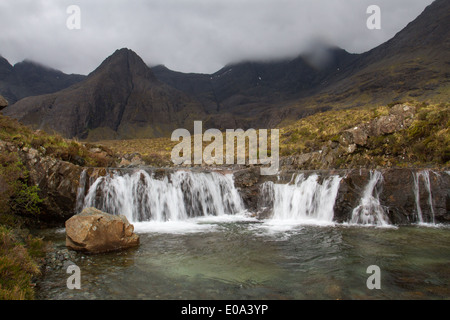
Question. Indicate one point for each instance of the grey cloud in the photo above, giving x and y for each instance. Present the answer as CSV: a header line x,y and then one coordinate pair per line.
x,y
191,35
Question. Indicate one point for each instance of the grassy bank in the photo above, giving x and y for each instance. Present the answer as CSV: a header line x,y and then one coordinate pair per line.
x,y
424,143
21,255
54,145
20,259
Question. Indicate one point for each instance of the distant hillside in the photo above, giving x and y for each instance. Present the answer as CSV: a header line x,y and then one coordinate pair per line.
x,y
120,99
415,64
247,87
28,78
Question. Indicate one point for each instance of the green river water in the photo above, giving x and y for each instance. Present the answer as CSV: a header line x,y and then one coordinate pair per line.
x,y
242,258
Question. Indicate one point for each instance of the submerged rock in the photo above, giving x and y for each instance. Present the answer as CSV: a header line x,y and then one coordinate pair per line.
x,y
94,231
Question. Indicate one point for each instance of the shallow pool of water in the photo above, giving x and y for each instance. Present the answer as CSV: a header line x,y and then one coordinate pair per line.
x,y
242,258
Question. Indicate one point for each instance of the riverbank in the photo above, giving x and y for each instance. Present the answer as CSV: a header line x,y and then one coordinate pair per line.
x,y
41,174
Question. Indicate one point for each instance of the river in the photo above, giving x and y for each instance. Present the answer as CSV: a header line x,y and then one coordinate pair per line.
x,y
198,241
234,257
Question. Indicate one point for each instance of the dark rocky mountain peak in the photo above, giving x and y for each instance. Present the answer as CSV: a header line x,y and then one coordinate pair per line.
x,y
120,99
124,62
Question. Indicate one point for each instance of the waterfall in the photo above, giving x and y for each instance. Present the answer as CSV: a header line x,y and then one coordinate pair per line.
x,y
178,196
370,211
426,180
302,199
81,191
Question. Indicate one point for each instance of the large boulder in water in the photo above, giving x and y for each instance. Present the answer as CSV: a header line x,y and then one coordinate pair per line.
x,y
94,231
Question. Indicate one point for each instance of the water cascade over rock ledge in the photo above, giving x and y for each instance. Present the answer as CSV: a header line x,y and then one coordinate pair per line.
x,y
161,196
359,196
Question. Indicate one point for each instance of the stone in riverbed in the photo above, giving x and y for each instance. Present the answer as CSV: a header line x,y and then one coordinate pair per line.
x,y
95,231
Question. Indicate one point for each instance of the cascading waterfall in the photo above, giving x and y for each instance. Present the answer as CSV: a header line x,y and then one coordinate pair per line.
x,y
370,211
181,195
81,191
426,180
303,199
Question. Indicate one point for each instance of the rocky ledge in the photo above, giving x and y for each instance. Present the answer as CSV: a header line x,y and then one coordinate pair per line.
x,y
405,194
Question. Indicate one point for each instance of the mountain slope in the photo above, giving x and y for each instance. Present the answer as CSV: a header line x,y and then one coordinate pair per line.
x,y
28,78
120,99
412,65
124,98
247,87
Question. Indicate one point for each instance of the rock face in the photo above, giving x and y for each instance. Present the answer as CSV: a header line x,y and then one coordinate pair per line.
x,y
3,103
404,194
57,180
399,118
94,231
58,183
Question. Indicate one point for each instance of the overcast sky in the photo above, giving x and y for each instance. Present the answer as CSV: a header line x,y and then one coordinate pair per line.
x,y
191,35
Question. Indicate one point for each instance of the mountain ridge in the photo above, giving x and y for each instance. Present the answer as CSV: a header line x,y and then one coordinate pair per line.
x,y
30,78
124,98
118,99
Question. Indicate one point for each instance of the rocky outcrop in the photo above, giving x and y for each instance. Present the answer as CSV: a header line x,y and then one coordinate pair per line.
x,y
94,231
247,181
57,181
130,161
3,103
400,117
353,144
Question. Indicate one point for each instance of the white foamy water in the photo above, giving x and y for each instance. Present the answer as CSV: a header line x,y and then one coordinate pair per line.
x,y
187,201
370,211
181,195
192,225
304,200
425,175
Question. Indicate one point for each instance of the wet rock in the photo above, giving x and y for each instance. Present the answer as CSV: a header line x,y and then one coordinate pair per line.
x,y
398,195
57,259
247,183
94,231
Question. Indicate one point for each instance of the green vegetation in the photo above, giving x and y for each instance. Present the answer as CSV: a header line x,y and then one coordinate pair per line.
x,y
425,142
154,152
19,255
17,196
19,263
55,146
